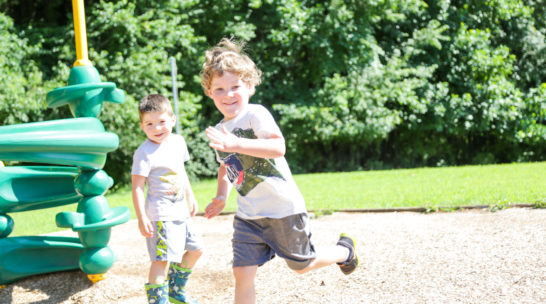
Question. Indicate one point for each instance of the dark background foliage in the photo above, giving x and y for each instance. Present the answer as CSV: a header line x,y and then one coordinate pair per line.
x,y
354,84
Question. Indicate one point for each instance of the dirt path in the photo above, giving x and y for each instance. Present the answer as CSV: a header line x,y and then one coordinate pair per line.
x,y
457,257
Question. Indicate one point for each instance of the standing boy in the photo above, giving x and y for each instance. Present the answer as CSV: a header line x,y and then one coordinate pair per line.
x,y
163,217
271,215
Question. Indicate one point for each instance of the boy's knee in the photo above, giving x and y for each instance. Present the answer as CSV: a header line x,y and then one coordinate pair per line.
x,y
299,267
301,271
239,272
160,264
245,272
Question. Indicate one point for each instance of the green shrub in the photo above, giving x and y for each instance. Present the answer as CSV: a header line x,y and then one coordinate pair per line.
x,y
354,84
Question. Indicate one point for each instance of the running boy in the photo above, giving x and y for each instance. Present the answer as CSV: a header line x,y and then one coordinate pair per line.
x,y
271,215
163,217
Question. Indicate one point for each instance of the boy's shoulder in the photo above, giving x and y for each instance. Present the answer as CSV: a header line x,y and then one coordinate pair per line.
x,y
143,150
255,111
260,113
253,114
257,108
177,139
143,145
173,139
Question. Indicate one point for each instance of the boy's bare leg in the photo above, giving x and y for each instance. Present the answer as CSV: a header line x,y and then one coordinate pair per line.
x,y
245,292
326,256
190,258
157,272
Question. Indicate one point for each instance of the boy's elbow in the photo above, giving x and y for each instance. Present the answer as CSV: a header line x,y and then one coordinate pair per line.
x,y
276,153
275,148
282,151
281,148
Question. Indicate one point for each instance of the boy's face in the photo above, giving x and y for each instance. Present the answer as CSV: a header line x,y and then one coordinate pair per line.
x,y
230,94
157,126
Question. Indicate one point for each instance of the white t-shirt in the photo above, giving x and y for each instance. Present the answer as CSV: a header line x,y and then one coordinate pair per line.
x,y
162,164
265,186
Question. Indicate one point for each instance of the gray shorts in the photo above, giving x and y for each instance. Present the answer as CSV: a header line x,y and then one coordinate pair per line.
x,y
171,239
257,241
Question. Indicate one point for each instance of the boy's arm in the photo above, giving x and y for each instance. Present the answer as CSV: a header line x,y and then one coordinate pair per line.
x,y
144,224
222,193
190,197
225,141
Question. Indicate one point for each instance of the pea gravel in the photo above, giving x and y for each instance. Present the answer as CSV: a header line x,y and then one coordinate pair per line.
x,y
473,256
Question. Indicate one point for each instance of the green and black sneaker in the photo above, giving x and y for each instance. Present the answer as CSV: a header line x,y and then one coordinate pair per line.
x,y
351,263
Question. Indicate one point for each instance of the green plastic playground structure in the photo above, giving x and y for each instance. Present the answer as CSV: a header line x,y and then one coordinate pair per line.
x,y
73,153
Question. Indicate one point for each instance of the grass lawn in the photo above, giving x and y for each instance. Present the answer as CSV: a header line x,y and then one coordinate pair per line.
x,y
424,187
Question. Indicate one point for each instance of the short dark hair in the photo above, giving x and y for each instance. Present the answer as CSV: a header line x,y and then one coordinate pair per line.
x,y
155,103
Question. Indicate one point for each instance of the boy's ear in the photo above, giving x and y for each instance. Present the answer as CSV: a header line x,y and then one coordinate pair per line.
x,y
252,89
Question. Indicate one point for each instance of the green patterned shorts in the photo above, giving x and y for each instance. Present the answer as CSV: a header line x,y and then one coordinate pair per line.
x,y
171,239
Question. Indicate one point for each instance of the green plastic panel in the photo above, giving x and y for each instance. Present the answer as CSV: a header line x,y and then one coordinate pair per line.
x,y
76,220
61,142
81,143
85,93
24,256
83,124
62,96
33,187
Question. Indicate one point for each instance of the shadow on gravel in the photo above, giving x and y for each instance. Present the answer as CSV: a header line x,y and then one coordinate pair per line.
x,y
58,287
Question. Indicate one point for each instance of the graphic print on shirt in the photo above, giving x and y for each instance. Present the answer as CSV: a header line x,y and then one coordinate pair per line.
x,y
175,193
245,171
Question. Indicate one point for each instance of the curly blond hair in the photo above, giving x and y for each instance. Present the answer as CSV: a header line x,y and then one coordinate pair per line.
x,y
228,56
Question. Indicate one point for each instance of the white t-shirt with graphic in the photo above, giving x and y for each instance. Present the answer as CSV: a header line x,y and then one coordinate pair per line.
x,y
265,186
162,164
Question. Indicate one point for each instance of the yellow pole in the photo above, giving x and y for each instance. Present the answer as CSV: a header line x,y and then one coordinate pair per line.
x,y
79,31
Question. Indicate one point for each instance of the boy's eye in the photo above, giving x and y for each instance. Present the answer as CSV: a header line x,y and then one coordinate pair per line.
x,y
235,87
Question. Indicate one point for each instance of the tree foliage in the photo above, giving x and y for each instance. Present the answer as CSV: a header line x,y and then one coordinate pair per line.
x,y
354,84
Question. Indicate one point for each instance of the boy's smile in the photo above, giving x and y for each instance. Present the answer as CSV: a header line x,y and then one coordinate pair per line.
x,y
230,94
157,126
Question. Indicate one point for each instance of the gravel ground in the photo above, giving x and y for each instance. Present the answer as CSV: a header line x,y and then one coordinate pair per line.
x,y
458,257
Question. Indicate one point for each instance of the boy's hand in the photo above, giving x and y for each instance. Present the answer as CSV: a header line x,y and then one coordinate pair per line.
x,y
145,226
193,207
222,140
214,208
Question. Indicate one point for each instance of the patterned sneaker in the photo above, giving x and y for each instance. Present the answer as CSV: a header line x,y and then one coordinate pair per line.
x,y
351,263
